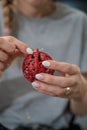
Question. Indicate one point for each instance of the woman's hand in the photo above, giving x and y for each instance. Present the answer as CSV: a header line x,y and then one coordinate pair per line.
x,y
71,84
10,48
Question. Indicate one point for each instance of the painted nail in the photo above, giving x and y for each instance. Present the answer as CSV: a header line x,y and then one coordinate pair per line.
x,y
39,76
35,85
29,51
46,63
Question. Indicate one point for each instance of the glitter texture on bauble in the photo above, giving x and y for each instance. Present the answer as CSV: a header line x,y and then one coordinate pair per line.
x,y
32,65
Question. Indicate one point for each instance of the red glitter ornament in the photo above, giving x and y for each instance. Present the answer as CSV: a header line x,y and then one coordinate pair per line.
x,y
32,65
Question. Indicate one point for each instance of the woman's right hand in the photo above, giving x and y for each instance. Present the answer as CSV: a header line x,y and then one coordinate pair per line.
x,y
10,48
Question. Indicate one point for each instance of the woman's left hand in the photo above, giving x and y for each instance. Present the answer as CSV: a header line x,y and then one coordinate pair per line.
x,y
70,84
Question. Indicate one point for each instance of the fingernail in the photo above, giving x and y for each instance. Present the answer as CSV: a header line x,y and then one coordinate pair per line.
x,y
35,85
46,63
39,76
29,51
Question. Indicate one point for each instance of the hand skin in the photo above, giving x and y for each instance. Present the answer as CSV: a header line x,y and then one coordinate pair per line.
x,y
70,77
10,48
80,107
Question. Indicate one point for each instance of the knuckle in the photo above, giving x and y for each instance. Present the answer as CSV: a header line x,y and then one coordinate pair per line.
x,y
66,83
10,41
55,64
49,79
67,68
46,88
55,92
12,49
77,68
10,38
43,88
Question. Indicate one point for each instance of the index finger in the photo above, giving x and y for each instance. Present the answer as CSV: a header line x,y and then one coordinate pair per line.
x,y
62,67
19,45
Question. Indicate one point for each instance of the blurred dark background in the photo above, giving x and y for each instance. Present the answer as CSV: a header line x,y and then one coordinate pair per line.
x,y
80,4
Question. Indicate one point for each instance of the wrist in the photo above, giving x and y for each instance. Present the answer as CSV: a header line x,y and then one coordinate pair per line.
x,y
82,91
